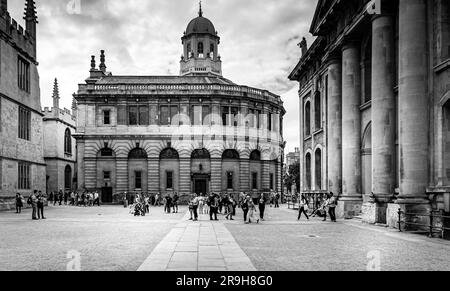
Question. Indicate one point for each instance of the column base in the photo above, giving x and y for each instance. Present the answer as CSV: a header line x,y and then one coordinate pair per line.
x,y
417,222
373,212
347,209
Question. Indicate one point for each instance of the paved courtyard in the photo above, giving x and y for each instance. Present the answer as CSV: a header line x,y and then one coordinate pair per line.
x,y
109,238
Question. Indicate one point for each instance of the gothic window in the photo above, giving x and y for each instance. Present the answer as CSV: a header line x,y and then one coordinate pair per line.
x,y
255,156
200,154
230,155
68,178
318,161
138,154
308,171
23,176
317,112
169,154
24,123
68,142
23,74
307,119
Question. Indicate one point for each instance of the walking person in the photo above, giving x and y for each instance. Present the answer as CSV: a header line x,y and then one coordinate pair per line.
x,y
324,207
277,197
195,203
97,198
19,203
253,215
60,197
245,207
147,204
213,203
303,208
157,202
175,202
168,204
191,207
332,203
40,205
230,205
262,206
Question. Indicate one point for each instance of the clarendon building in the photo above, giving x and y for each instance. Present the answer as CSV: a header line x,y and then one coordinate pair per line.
x,y
193,133
375,118
22,165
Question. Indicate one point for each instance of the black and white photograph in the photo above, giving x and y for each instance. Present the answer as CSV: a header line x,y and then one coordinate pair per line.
x,y
218,137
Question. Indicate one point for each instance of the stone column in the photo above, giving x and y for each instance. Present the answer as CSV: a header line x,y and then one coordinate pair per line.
x,y
80,165
413,105
351,131
334,120
383,117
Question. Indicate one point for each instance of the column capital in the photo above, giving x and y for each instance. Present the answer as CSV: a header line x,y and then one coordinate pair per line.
x,y
332,59
351,43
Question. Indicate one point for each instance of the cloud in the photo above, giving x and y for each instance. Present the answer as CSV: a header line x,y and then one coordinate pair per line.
x,y
143,37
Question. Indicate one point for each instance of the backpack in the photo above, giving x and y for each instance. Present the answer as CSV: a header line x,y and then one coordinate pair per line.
x,y
29,201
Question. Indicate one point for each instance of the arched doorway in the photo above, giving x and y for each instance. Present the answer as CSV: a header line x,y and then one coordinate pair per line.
x,y
366,158
201,171
68,178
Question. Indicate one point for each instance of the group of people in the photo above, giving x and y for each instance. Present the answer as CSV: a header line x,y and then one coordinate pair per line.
x,y
328,205
36,200
141,203
86,199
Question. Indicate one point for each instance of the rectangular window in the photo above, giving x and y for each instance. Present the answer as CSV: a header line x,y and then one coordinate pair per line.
x,y
164,117
230,180
106,117
138,180
225,114
258,118
255,181
106,175
121,115
196,115
271,181
173,114
251,118
23,74
132,115
23,176
205,113
269,122
143,115
234,115
24,123
169,180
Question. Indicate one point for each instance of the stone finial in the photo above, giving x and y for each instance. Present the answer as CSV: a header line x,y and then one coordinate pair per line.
x,y
30,17
74,104
303,46
55,97
200,11
92,63
102,61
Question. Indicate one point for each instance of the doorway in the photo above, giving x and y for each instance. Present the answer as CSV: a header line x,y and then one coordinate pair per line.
x,y
200,186
107,196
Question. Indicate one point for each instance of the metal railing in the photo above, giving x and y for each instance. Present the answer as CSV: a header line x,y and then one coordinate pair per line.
x,y
431,227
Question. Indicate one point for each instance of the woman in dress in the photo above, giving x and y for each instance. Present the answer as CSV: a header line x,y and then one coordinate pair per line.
x,y
253,212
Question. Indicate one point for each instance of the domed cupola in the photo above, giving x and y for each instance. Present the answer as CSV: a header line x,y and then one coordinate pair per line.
x,y
200,44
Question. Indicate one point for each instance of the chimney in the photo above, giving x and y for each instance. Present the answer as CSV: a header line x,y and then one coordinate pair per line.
x,y
3,7
102,61
92,63
303,46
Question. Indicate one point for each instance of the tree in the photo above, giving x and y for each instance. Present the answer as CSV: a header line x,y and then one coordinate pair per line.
x,y
293,176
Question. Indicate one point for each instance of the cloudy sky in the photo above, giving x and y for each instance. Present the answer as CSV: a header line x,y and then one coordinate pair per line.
x,y
142,37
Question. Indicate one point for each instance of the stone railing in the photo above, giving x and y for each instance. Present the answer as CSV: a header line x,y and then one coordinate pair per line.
x,y
177,89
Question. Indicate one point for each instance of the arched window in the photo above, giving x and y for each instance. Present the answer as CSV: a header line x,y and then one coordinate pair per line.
x,y
317,112
308,119
318,163
366,160
200,49
169,154
308,171
137,154
211,50
68,142
230,155
68,178
200,154
189,49
255,156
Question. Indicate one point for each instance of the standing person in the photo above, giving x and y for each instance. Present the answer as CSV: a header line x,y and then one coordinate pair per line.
x,y
66,197
324,207
77,198
262,206
332,203
55,198
60,197
33,201
157,200
91,199
147,204
245,207
213,203
220,205
40,205
175,202
303,207
72,198
50,198
191,207
230,205
253,215
168,204
277,197
19,203
195,203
